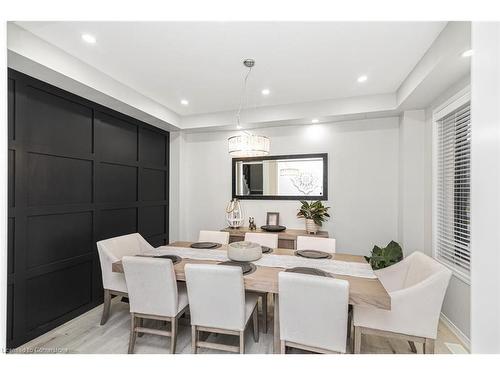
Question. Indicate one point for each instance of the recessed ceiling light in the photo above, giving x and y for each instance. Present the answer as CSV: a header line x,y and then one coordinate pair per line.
x,y
89,38
266,92
184,102
362,78
468,53
314,121
239,127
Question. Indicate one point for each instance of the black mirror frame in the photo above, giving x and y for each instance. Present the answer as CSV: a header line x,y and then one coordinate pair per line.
x,y
323,197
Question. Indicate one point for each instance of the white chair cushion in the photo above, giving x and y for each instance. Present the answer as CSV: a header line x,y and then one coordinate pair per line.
x,y
217,296
417,286
113,250
316,243
263,239
152,287
213,236
313,310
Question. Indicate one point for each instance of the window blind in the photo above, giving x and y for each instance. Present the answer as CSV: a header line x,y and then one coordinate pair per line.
x,y
452,239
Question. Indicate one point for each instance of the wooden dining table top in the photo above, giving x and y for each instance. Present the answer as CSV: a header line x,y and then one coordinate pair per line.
x,y
362,291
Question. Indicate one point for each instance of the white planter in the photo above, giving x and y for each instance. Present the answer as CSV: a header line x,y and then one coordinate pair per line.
x,y
311,226
244,251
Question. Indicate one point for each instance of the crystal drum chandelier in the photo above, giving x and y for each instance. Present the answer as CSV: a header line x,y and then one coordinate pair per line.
x,y
247,144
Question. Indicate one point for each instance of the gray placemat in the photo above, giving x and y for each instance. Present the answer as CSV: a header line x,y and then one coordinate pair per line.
x,y
205,245
309,271
174,258
313,254
246,267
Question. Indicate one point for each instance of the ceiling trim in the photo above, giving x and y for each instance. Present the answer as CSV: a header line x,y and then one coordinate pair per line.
x,y
31,55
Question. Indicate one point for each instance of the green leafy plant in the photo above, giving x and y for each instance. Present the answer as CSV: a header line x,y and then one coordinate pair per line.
x,y
385,256
315,211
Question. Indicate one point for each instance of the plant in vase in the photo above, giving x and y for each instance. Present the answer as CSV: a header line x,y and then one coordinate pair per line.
x,y
315,214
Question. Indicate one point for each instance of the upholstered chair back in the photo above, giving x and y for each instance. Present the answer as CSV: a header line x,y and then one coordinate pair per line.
x,y
112,250
263,239
216,296
213,236
152,286
316,243
313,310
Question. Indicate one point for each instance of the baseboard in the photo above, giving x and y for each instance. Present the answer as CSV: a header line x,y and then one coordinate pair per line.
x,y
456,331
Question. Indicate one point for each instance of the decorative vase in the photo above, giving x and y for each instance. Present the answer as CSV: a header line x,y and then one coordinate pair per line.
x,y
234,214
311,226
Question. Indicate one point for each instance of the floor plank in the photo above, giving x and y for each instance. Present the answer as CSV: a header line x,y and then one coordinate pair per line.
x,y
85,335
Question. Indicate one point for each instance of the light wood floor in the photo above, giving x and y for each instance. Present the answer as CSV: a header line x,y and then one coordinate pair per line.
x,y
84,335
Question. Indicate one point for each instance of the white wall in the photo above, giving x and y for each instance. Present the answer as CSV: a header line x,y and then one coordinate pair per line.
x,y
411,181
363,180
485,200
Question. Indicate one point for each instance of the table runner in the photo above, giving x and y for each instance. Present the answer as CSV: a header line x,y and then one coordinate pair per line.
x,y
279,261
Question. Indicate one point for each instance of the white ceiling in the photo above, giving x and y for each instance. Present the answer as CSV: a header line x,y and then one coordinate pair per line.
x,y
202,61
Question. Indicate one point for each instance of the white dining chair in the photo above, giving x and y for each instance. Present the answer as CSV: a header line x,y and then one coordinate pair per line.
x,y
269,240
313,313
153,294
417,286
219,304
213,236
112,250
263,239
316,243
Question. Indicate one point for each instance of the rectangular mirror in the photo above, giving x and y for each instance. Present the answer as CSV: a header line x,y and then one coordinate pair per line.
x,y
293,177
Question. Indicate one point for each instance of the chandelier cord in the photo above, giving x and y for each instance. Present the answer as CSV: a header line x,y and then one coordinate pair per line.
x,y
243,96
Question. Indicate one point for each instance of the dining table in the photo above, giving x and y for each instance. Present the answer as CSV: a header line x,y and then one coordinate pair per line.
x,y
363,291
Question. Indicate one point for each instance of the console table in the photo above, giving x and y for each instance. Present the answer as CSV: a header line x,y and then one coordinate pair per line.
x,y
286,239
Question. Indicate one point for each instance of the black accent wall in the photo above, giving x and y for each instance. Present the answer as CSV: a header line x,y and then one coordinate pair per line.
x,y
78,173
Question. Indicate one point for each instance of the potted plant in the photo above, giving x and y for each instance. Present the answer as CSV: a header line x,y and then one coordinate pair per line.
x,y
382,257
315,214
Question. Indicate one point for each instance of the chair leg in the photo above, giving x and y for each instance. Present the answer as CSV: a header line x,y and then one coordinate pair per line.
x,y
242,342
173,338
140,323
357,340
412,346
264,312
133,334
194,344
429,346
283,347
255,324
106,306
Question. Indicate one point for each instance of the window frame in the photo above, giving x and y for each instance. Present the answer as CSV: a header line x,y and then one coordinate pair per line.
x,y
456,101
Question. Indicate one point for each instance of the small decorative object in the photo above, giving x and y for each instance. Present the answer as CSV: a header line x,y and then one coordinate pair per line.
x,y
234,214
315,214
244,251
273,218
251,223
385,256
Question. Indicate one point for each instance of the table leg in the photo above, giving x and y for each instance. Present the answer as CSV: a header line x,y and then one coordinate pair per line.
x,y
277,343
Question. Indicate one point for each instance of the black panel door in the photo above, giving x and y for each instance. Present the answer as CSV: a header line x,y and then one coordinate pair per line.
x,y
78,173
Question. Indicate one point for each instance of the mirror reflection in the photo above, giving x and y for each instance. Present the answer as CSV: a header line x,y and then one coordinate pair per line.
x,y
300,177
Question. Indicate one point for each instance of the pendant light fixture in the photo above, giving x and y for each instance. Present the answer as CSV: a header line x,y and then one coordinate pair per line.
x,y
247,144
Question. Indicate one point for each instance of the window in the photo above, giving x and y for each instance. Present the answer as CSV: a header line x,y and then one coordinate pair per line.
x,y
452,186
